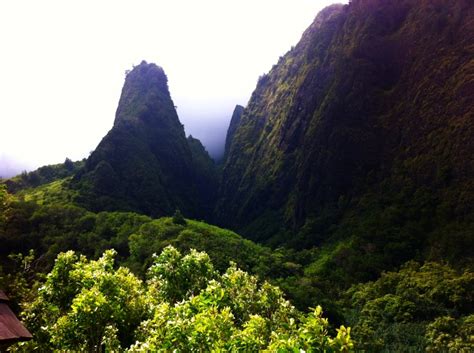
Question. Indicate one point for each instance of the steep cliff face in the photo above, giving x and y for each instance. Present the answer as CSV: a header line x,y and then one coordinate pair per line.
x,y
144,163
234,123
368,117
206,177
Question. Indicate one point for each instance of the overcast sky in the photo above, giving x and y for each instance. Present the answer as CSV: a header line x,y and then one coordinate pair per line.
x,y
63,63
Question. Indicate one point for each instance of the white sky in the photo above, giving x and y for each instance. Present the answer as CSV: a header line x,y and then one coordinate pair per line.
x,y
62,65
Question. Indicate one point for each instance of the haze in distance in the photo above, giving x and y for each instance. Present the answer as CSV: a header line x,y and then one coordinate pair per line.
x,y
63,66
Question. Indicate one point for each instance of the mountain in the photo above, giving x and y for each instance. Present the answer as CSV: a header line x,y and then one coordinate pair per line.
x,y
234,123
206,177
145,162
362,132
352,164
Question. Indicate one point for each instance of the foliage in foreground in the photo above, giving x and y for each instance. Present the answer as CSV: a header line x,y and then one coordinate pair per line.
x,y
185,304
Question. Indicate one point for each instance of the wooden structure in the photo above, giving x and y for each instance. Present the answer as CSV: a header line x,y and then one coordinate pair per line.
x,y
11,329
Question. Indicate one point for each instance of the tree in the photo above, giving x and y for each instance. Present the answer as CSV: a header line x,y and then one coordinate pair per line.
x,y
447,334
178,218
84,305
228,312
174,277
4,205
69,164
419,307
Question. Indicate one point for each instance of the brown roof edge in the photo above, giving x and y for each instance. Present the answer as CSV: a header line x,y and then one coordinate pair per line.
x,y
11,329
3,296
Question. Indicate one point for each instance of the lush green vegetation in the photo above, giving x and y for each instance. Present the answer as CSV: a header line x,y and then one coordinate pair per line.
x,y
351,166
234,124
429,306
185,304
57,227
348,140
205,177
350,147
145,163
43,175
420,307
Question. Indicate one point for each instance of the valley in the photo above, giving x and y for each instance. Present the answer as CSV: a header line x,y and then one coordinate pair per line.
x,y
340,218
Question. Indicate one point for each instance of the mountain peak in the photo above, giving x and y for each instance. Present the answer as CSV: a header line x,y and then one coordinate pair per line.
x,y
147,73
145,90
144,163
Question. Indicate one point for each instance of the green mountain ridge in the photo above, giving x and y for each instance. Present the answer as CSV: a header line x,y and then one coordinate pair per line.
x,y
365,121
